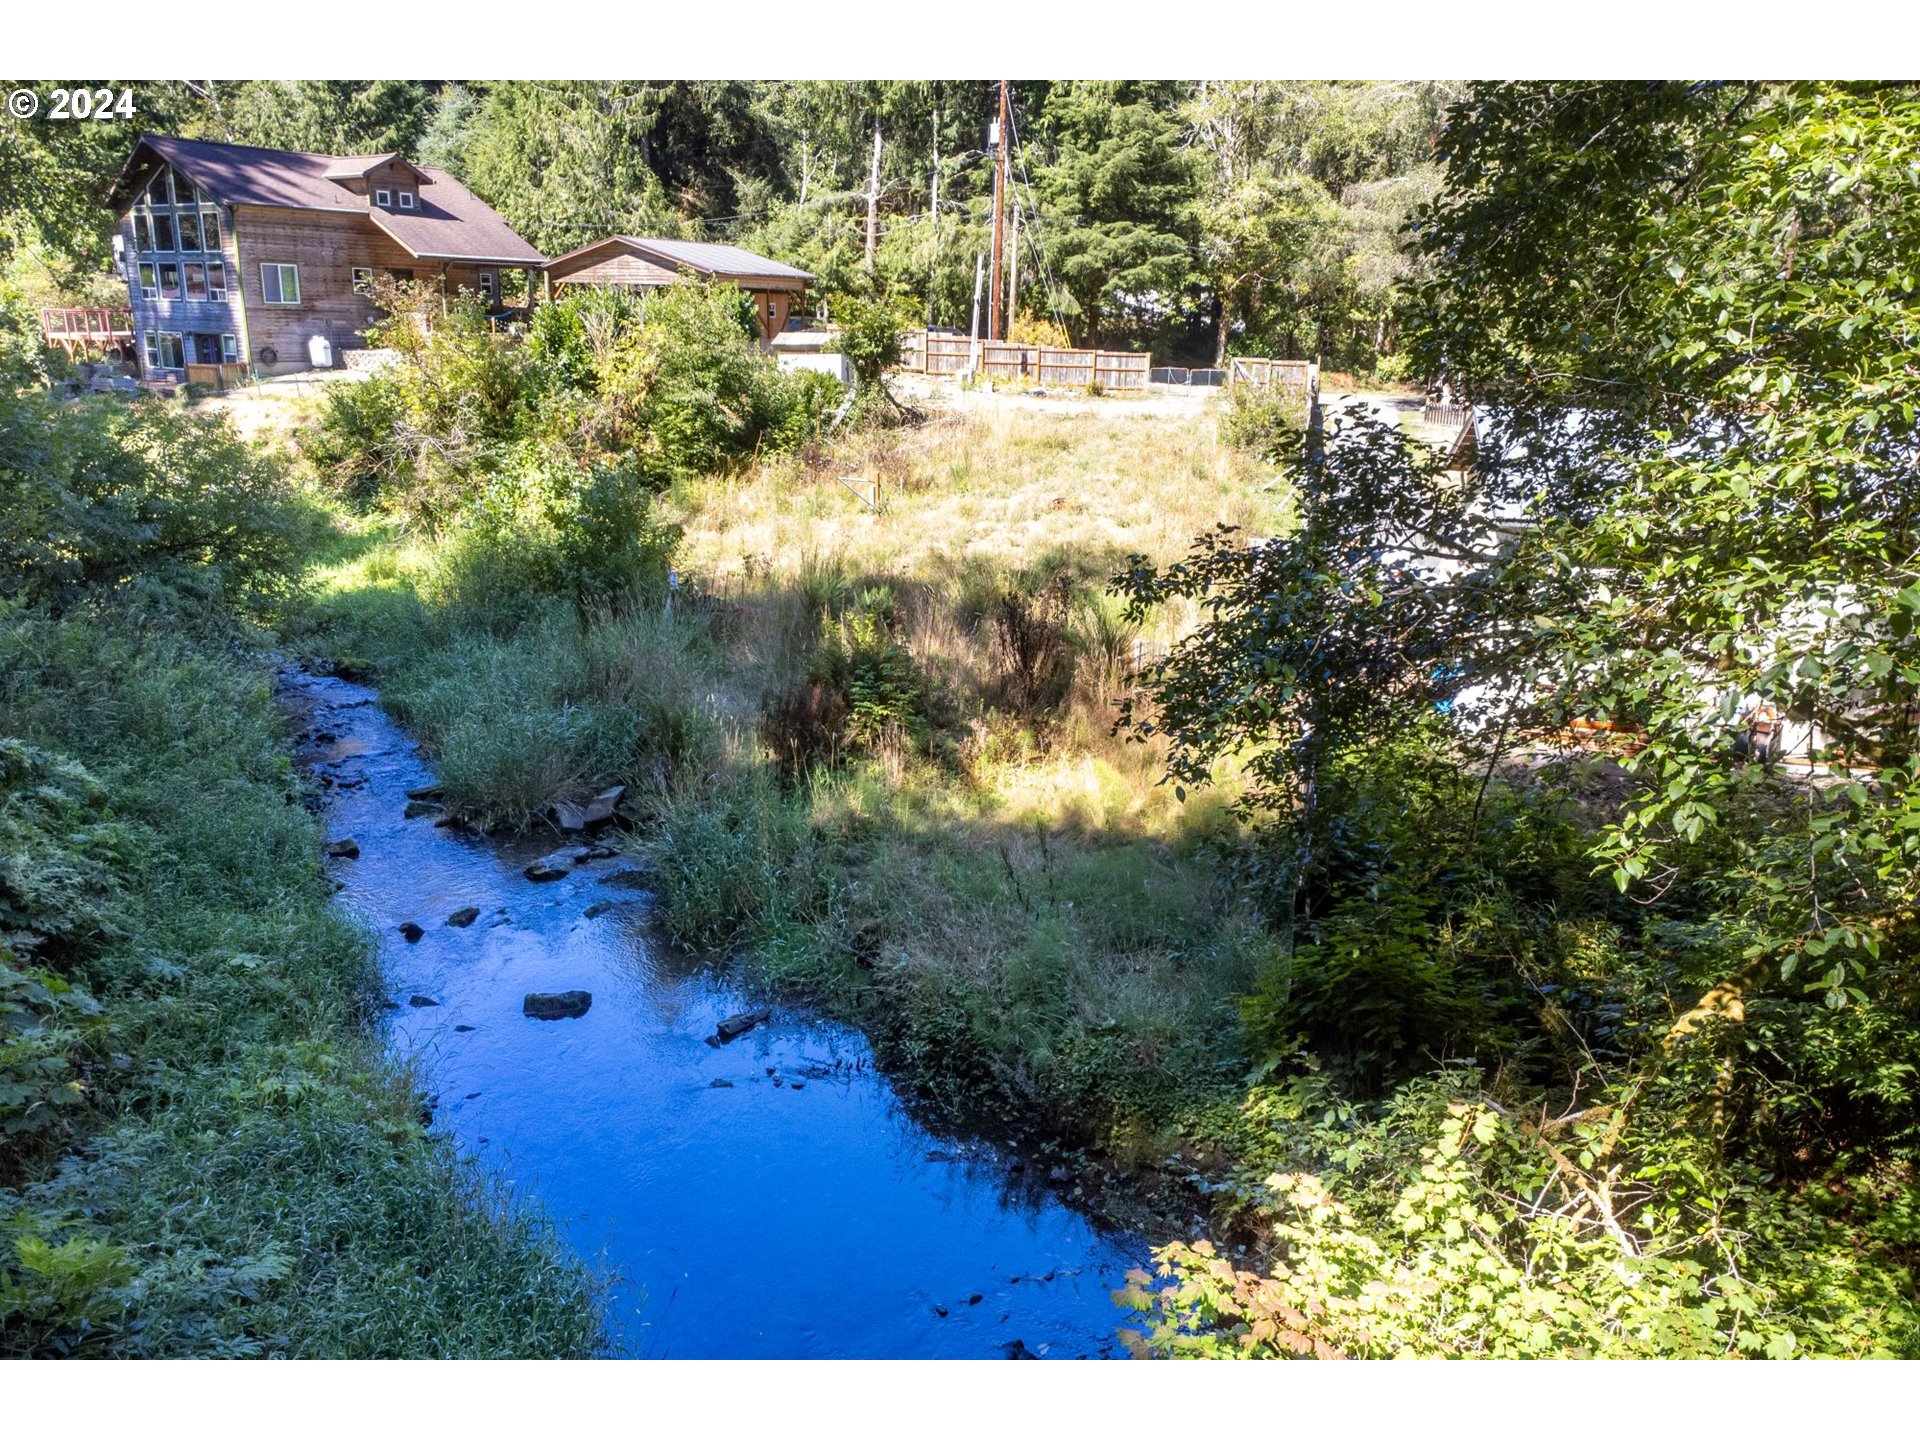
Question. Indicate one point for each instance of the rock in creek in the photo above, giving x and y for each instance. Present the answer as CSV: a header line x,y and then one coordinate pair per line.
x,y
416,808
420,1002
464,916
734,1026
565,1005
427,792
626,879
719,1084
589,812
462,1029
410,931
1017,1350
347,849
550,867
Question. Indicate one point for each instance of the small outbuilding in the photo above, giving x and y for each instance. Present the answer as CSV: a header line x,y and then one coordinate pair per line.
x,y
637,262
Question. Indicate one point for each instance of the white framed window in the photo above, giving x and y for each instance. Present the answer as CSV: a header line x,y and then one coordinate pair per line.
x,y
490,286
163,350
216,279
280,284
405,199
383,198
196,280
189,223
163,238
169,280
143,232
149,281
362,278
210,228
230,349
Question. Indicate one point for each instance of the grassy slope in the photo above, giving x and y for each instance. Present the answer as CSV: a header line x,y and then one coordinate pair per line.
x,y
1029,916
255,1161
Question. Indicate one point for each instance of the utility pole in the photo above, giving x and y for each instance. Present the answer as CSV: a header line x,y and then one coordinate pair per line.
x,y
979,276
1013,274
995,326
873,193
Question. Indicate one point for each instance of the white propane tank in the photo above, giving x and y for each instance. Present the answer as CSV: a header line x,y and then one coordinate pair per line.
x,y
320,352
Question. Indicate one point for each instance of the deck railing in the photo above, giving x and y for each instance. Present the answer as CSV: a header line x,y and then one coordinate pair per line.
x,y
86,327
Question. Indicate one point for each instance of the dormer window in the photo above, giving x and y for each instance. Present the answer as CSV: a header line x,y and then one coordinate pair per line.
x,y
406,199
383,198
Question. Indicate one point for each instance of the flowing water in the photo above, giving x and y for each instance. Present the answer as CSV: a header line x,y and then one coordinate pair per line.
x,y
796,1210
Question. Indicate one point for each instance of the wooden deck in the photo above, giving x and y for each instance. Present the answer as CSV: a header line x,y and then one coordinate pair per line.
x,y
88,329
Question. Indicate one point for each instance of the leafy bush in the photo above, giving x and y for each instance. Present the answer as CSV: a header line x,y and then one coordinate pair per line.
x,y
1519,1238
1264,421
793,407
357,444
100,496
542,524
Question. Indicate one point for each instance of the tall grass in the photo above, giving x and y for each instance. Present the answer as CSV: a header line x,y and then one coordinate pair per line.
x,y
1005,895
253,1177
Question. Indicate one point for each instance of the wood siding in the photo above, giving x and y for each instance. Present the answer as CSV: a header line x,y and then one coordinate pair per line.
x,y
618,268
326,248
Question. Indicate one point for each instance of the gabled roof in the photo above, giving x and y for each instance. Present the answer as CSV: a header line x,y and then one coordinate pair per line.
x,y
356,167
726,262
451,223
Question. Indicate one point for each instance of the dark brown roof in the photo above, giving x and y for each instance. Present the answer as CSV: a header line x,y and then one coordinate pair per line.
x,y
452,222
728,262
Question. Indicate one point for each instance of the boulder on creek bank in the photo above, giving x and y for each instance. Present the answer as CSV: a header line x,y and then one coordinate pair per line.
x,y
427,792
550,867
416,808
347,849
734,1026
579,816
563,1005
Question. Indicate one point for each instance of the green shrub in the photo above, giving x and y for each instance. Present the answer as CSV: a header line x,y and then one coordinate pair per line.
x,y
102,496
542,524
1266,422
357,443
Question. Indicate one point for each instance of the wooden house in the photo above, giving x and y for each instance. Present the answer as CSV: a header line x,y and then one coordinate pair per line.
x,y
640,263
238,256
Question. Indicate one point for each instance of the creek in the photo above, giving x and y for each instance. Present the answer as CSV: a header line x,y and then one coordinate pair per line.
x,y
768,1197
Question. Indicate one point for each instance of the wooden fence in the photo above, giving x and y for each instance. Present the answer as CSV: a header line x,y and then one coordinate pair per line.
x,y
935,354
219,377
